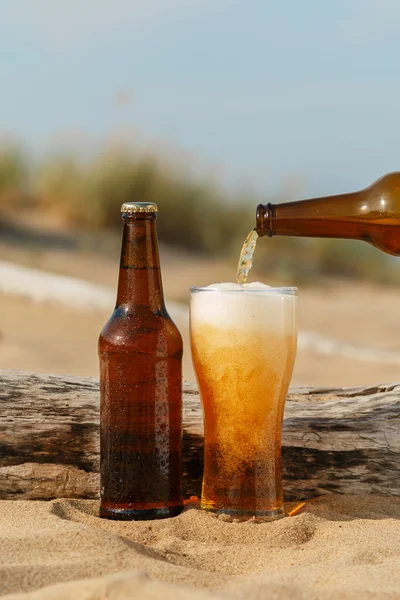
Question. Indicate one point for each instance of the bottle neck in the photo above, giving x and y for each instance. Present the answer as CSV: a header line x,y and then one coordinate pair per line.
x,y
140,275
329,216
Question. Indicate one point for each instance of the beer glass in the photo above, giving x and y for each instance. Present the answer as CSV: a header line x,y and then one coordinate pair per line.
x,y
243,341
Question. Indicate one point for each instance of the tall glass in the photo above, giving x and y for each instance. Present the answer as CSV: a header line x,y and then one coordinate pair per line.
x,y
243,342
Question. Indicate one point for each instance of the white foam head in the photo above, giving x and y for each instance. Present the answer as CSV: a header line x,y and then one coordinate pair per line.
x,y
249,307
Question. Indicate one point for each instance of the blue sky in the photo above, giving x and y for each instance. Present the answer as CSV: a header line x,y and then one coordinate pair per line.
x,y
277,95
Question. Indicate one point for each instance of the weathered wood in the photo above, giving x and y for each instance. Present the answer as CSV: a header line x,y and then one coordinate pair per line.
x,y
342,440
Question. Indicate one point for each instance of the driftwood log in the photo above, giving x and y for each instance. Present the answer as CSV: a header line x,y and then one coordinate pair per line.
x,y
334,440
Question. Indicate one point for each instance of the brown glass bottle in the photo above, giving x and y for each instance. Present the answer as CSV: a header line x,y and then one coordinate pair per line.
x,y
372,215
140,351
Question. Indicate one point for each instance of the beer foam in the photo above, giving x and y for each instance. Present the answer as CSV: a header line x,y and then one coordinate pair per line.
x,y
256,285
251,307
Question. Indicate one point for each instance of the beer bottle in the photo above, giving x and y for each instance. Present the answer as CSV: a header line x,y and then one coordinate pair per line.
x,y
140,351
372,215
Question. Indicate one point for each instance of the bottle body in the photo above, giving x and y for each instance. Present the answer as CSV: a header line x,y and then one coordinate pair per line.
x,y
371,215
140,351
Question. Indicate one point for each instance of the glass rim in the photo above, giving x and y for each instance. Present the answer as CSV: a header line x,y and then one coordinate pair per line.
x,y
283,291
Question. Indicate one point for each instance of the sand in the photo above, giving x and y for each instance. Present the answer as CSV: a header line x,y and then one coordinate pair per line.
x,y
334,547
47,338
335,316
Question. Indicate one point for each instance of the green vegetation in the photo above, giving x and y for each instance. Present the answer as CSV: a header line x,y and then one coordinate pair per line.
x,y
195,214
13,174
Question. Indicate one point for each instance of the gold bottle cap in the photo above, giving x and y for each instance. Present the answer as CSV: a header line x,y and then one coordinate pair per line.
x,y
139,207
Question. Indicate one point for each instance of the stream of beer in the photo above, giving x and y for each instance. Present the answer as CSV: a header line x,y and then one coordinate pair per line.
x,y
246,257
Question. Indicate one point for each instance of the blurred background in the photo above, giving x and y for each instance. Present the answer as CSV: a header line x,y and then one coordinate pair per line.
x,y
206,108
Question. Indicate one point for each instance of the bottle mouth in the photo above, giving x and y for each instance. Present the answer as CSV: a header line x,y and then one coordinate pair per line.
x,y
263,219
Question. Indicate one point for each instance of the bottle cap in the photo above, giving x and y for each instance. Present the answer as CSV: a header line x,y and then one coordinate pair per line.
x,y
139,207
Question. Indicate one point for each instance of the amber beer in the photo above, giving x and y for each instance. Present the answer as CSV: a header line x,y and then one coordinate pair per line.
x,y
140,352
243,340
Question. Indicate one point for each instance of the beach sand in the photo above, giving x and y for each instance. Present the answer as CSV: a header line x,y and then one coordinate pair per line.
x,y
334,547
55,338
47,338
